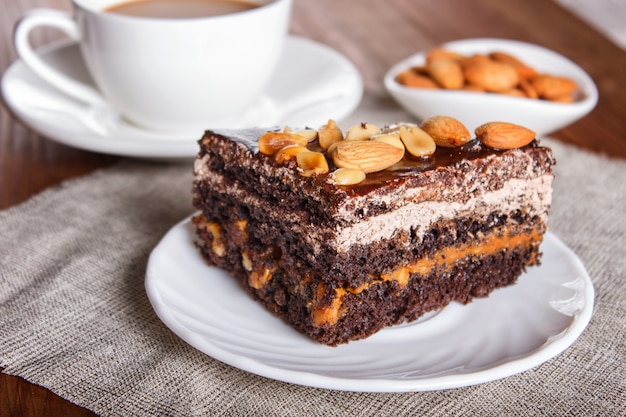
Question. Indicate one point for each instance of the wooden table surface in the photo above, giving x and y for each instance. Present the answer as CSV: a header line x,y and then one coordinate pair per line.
x,y
373,34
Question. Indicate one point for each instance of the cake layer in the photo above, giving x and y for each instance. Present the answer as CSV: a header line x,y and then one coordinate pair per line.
x,y
474,181
531,196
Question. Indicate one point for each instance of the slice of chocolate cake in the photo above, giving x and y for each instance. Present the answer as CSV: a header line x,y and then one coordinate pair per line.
x,y
342,234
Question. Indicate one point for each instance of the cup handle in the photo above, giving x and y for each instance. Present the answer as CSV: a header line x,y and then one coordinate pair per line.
x,y
65,23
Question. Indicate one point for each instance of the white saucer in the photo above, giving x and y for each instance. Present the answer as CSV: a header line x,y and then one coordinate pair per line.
x,y
313,83
516,328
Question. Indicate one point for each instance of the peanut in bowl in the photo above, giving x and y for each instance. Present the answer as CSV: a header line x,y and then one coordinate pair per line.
x,y
464,99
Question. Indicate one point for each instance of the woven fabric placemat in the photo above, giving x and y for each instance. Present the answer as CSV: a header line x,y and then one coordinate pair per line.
x,y
75,318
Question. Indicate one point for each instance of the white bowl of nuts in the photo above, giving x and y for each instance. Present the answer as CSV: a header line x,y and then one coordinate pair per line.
x,y
496,79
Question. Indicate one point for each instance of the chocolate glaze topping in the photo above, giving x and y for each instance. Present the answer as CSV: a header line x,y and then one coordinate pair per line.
x,y
409,165
398,173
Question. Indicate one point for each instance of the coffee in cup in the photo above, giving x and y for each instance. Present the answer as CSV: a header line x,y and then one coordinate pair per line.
x,y
180,9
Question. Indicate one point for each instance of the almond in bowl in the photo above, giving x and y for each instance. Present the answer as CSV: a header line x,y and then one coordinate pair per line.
x,y
501,79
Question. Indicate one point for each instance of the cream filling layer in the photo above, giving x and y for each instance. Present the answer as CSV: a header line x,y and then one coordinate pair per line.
x,y
534,196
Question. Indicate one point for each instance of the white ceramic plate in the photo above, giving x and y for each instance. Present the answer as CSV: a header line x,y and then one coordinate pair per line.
x,y
514,329
474,109
313,83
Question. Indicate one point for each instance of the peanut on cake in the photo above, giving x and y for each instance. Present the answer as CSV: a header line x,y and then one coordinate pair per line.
x,y
341,233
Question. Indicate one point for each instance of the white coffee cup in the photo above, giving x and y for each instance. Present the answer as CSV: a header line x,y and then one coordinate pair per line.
x,y
165,74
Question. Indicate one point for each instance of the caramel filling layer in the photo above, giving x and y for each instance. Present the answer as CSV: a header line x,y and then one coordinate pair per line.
x,y
215,230
325,312
329,314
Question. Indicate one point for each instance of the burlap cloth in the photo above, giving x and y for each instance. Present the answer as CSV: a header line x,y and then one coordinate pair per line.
x,y
74,316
